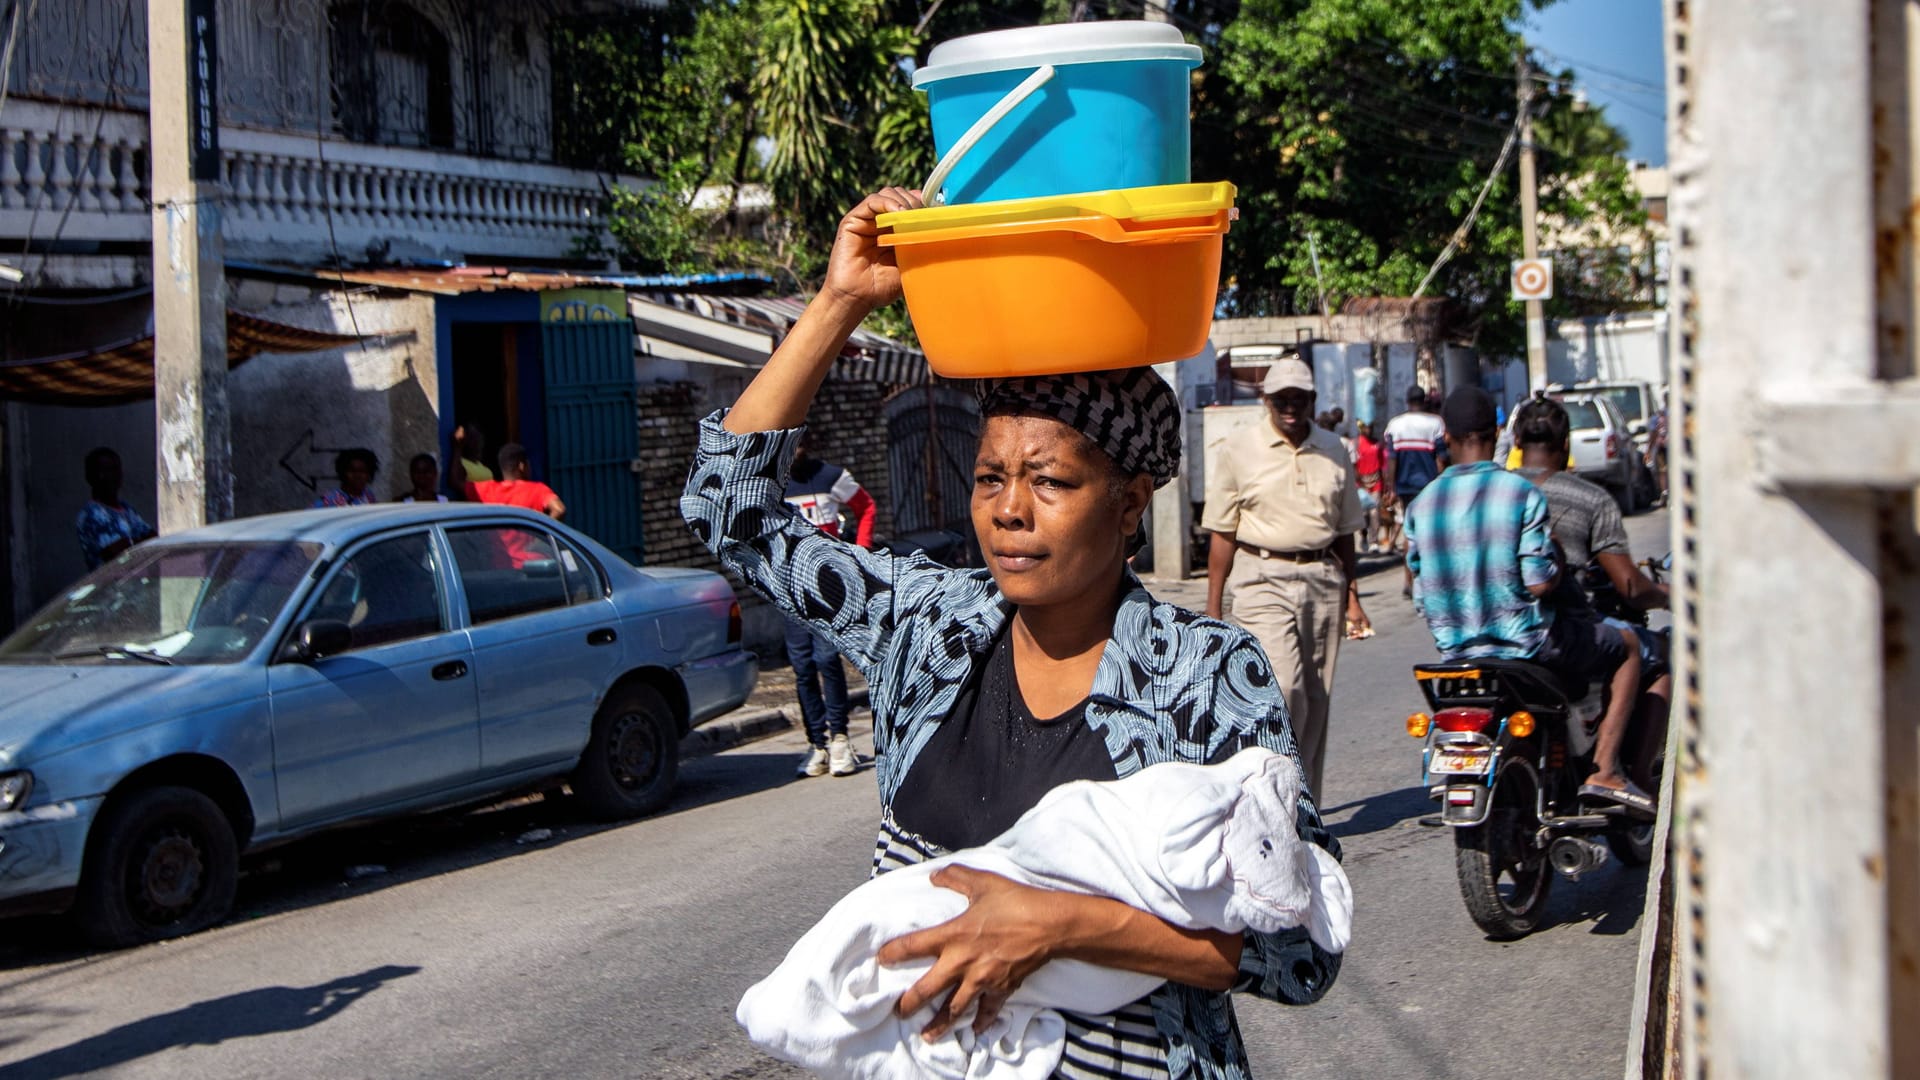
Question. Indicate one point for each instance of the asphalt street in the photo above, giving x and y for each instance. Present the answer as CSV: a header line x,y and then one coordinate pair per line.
x,y
521,942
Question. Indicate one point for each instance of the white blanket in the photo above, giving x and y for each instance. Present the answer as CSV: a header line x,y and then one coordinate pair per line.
x,y
1201,846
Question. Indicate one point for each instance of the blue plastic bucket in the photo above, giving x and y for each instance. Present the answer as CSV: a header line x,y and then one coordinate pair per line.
x,y
1114,114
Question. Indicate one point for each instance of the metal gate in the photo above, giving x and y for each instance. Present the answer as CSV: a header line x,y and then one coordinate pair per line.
x,y
933,433
593,424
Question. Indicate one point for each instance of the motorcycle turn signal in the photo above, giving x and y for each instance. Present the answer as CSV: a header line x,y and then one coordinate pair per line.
x,y
1520,724
1418,724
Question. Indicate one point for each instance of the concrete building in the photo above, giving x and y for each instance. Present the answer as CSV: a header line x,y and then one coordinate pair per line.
x,y
365,133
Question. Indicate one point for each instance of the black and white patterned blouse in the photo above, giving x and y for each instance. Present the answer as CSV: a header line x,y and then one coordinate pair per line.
x,y
1171,686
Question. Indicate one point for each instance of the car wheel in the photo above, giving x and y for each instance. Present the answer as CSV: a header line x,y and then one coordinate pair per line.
x,y
162,862
633,755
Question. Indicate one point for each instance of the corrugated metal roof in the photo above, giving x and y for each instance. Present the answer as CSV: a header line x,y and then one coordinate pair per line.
x,y
122,372
457,280
868,357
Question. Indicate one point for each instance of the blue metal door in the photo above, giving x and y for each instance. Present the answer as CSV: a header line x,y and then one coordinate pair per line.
x,y
586,344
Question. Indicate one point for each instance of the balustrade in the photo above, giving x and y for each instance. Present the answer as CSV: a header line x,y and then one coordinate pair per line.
x,y
287,198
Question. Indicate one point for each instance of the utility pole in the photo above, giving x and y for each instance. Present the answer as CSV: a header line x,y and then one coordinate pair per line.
x,y
1529,215
194,453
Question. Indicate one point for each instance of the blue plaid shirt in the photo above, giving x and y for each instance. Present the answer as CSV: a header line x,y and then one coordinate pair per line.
x,y
1477,538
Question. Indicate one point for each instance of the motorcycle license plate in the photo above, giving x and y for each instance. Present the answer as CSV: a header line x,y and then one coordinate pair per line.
x,y
1456,762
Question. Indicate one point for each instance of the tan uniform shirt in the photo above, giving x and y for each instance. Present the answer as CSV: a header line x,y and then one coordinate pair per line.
x,y
1272,495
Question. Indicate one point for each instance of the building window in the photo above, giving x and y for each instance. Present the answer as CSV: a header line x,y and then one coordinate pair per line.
x,y
392,75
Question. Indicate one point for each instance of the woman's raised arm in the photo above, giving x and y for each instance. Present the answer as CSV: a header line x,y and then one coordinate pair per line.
x,y
861,276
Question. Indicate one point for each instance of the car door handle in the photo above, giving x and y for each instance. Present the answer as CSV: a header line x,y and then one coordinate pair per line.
x,y
452,669
602,636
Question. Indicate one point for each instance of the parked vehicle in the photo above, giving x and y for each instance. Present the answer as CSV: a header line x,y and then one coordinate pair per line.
x,y
229,688
1505,749
1603,450
1634,401
1637,403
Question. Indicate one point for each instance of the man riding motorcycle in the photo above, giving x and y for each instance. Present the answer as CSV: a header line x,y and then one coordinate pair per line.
x,y
1484,566
1588,527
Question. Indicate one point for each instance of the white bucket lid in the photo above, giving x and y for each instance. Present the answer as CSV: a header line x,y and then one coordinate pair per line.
x,y
1061,43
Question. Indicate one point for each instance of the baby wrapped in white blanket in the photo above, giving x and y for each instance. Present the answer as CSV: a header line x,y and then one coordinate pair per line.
x,y
1201,846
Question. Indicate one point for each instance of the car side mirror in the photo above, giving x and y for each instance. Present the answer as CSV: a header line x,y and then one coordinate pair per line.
x,y
1637,427
318,639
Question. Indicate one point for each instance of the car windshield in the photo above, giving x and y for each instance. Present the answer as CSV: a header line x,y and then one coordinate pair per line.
x,y
1625,401
167,604
1583,415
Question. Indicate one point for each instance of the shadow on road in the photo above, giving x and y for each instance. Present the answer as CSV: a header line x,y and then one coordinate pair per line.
x,y
1379,812
1610,898
265,1011
367,859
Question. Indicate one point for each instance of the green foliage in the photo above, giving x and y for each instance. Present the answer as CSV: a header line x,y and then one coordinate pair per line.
x,y
830,92
1367,125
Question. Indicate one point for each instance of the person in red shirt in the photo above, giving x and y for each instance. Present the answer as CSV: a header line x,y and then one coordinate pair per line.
x,y
518,489
1367,465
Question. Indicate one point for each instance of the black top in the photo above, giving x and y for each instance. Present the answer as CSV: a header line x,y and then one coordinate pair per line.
x,y
991,759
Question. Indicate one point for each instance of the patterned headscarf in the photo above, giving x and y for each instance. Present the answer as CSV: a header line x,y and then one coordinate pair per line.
x,y
1131,413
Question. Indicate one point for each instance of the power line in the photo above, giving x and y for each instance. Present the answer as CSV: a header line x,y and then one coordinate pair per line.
x,y
13,41
326,207
1459,234
1580,64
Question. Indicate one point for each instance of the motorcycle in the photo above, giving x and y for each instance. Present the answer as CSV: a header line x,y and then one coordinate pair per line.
x,y
1505,749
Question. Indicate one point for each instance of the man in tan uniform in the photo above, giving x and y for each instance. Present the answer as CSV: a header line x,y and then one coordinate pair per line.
x,y
1283,505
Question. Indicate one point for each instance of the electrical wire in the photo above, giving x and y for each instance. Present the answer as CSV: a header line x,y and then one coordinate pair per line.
x,y
13,41
1581,65
326,208
1459,234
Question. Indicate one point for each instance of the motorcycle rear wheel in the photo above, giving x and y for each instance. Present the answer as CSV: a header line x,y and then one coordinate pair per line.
x,y
1504,877
1632,844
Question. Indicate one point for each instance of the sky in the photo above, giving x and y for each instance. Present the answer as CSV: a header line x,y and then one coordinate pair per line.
x,y
1615,50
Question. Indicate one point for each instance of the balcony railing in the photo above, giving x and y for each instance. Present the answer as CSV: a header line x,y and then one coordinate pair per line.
x,y
79,177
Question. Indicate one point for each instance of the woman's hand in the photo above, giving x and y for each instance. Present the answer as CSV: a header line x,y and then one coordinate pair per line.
x,y
859,271
983,956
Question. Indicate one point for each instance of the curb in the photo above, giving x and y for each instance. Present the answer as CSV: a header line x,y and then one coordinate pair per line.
x,y
742,726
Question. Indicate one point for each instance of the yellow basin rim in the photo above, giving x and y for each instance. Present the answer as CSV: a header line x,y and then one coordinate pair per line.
x,y
1161,203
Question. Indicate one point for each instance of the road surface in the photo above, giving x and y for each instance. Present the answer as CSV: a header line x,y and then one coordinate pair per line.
x,y
474,946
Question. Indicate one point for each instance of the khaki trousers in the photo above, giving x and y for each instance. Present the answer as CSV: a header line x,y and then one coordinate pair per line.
x,y
1298,612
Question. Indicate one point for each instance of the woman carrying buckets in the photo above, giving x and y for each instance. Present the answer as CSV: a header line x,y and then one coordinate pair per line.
x,y
991,687
1104,680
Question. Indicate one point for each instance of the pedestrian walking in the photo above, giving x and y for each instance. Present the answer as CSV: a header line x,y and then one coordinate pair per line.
x,y
990,688
1283,506
821,491
1415,443
1367,469
106,525
355,468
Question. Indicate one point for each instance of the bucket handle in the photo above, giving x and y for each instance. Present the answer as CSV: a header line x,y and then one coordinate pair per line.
x,y
930,191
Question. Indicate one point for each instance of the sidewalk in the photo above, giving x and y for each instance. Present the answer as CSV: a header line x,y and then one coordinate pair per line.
x,y
773,708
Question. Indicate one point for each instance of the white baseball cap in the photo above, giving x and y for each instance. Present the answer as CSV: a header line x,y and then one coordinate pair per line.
x,y
1287,374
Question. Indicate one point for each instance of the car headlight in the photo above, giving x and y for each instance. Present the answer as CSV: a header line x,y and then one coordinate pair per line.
x,y
14,787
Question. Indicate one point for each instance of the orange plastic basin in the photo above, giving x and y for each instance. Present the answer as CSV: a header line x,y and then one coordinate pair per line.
x,y
1080,293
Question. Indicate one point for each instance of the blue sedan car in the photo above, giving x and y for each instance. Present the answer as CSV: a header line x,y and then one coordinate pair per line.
x,y
234,687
